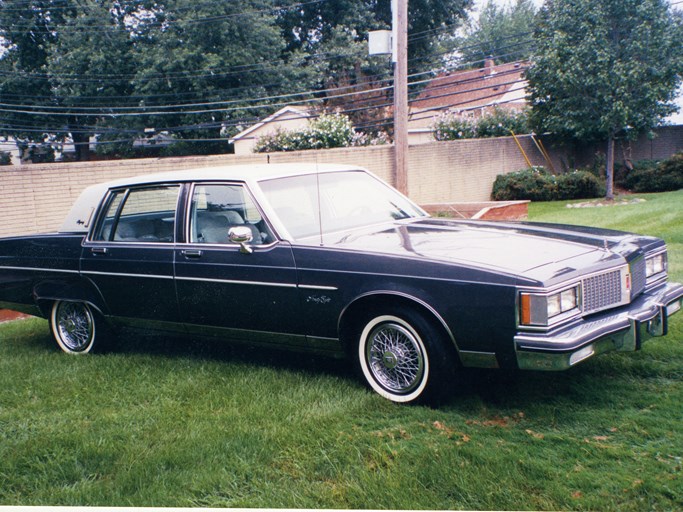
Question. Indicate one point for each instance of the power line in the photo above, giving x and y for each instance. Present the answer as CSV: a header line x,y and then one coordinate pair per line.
x,y
364,92
144,110
237,122
223,72
299,95
119,114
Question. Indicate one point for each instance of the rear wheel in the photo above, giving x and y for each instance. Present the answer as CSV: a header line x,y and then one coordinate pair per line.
x,y
402,356
74,326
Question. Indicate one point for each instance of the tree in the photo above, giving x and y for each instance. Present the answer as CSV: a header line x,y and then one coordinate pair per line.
x,y
25,36
91,59
605,69
76,68
212,52
504,33
196,70
311,26
334,37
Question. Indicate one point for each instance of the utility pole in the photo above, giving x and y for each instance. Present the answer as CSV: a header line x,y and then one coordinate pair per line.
x,y
400,57
395,42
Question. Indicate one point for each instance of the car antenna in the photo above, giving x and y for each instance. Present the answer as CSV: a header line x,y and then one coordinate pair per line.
x,y
320,215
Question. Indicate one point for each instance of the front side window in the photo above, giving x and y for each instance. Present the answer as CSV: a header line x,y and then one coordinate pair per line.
x,y
140,215
216,208
314,205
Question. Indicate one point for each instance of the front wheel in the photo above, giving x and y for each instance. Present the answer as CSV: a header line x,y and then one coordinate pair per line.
x,y
403,357
74,326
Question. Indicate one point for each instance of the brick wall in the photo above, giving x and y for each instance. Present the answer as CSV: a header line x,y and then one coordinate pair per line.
x,y
443,172
36,198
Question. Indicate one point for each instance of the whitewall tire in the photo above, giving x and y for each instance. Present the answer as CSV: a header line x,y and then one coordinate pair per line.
x,y
73,326
402,356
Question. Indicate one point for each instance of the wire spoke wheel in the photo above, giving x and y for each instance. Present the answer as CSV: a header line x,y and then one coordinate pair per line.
x,y
395,358
73,326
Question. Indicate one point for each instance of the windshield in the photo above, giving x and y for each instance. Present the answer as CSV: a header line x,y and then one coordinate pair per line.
x,y
317,204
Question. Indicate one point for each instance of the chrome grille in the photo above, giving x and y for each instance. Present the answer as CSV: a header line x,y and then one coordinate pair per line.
x,y
602,291
637,276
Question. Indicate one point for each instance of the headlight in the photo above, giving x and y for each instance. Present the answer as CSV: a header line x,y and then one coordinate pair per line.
x,y
655,265
544,310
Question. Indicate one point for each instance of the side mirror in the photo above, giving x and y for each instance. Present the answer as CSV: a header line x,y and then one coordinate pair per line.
x,y
241,235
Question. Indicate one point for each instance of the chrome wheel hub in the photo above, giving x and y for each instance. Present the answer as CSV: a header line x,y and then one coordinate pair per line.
x,y
390,360
69,326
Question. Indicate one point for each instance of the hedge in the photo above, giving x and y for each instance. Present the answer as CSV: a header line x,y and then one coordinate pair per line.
x,y
654,176
537,184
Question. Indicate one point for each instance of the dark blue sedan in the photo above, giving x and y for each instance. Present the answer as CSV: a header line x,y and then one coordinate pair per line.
x,y
332,260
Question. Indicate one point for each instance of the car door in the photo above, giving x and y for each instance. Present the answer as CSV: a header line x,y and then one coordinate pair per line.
x,y
246,291
129,254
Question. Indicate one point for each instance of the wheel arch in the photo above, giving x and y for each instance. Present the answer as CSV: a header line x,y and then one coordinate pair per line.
x,y
385,299
46,293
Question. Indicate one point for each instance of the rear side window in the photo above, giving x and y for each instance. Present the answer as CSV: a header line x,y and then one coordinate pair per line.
x,y
139,215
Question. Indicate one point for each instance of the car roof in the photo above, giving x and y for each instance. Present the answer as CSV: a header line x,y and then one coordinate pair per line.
x,y
244,172
83,210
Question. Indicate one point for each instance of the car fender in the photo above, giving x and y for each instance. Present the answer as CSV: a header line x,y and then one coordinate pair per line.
x,y
365,300
82,290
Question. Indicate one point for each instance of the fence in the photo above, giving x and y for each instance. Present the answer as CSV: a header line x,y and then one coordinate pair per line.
x,y
36,198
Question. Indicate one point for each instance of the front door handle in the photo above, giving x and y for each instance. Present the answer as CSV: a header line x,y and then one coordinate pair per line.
x,y
192,253
99,250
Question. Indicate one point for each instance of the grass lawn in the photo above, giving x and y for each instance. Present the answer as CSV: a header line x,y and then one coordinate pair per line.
x,y
160,423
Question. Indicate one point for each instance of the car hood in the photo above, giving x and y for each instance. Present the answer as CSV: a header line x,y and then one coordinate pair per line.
x,y
542,252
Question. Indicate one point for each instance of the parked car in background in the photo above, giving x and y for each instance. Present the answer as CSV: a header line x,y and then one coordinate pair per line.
x,y
332,260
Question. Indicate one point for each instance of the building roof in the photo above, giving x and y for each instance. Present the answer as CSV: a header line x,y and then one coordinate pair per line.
x,y
286,112
474,88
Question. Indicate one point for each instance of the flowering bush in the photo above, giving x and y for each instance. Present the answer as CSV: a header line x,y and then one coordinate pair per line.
x,y
449,126
364,139
496,123
328,131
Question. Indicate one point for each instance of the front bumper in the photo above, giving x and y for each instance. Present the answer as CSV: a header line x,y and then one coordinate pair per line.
x,y
623,329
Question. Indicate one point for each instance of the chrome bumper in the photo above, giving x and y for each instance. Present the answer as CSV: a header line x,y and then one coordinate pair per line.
x,y
624,329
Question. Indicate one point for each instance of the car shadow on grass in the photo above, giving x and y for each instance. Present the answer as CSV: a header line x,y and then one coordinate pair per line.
x,y
496,388
595,380
225,350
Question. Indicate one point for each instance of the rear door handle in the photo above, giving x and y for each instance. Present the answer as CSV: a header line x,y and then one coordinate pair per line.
x,y
99,250
192,253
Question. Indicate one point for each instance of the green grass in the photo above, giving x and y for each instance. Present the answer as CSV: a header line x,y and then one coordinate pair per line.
x,y
162,423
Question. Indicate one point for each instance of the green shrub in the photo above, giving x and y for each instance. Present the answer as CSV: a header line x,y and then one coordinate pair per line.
x,y
649,176
5,158
622,172
538,184
534,184
331,131
579,185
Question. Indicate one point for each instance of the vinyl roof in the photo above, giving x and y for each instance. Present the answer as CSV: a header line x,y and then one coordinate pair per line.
x,y
245,172
82,212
